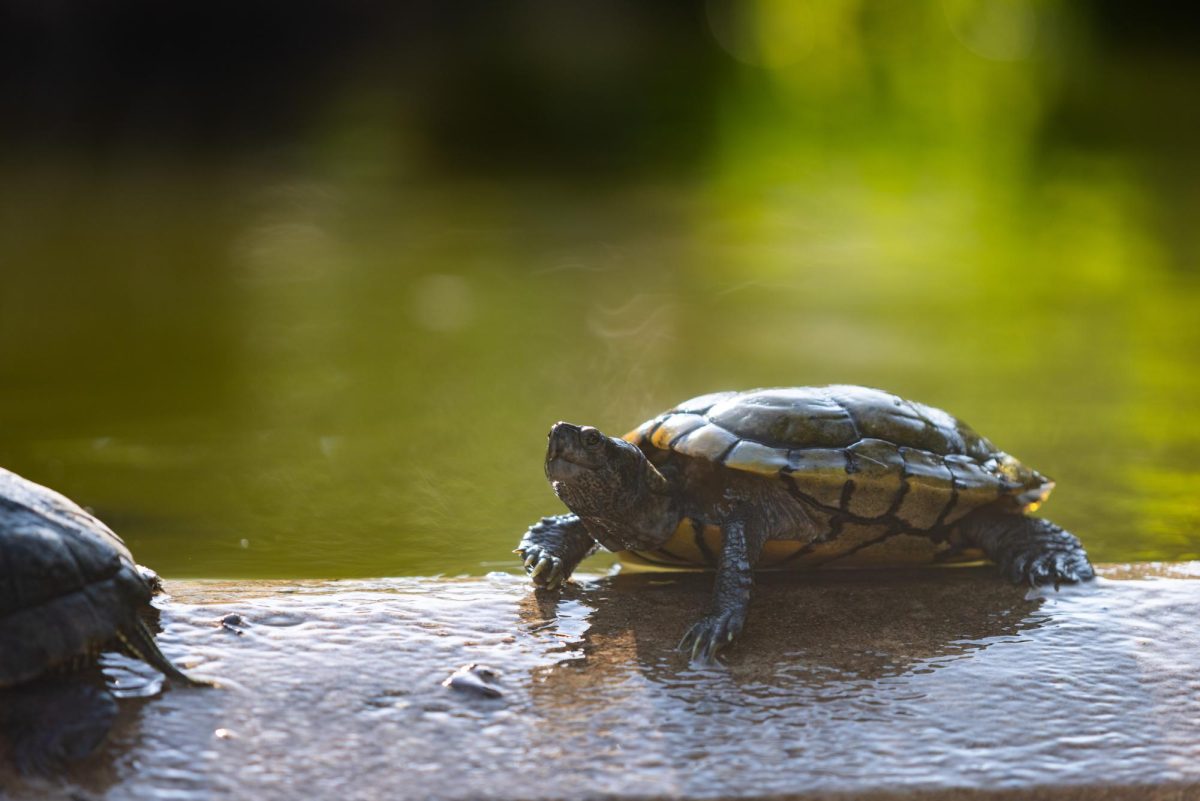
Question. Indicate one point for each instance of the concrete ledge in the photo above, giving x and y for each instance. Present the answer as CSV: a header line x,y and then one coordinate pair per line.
x,y
877,685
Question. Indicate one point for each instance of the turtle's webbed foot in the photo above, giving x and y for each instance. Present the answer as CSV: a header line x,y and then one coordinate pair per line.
x,y
1029,550
1038,566
543,567
712,633
552,548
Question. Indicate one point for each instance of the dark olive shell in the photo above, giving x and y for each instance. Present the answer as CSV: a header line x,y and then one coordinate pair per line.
x,y
862,452
67,582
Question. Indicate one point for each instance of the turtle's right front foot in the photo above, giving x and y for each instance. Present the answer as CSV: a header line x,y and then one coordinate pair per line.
x,y
552,548
544,568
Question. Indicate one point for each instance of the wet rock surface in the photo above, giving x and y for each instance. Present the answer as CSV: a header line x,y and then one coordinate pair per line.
x,y
867,684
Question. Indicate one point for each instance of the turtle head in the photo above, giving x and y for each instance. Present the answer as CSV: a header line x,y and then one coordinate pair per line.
x,y
611,485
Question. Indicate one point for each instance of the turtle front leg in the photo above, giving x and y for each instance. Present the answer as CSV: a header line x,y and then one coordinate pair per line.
x,y
1029,550
731,598
553,547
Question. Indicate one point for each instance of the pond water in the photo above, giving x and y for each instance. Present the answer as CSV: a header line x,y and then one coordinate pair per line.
x,y
341,358
292,379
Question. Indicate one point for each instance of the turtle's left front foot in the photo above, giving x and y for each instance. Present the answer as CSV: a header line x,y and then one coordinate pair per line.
x,y
711,633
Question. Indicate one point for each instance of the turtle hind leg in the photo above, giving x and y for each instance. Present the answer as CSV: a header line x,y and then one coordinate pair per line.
x,y
1029,550
138,642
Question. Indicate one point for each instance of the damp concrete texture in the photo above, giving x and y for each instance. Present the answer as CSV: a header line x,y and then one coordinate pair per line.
x,y
937,684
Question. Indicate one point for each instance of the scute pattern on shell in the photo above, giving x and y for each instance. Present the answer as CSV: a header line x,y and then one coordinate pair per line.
x,y
861,452
67,582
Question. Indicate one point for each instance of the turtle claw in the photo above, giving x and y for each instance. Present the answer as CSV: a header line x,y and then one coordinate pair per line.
x,y
545,569
1031,551
1050,567
710,634
552,548
544,564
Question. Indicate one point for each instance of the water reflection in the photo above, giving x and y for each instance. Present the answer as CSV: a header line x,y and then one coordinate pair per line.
x,y
817,650
55,731
950,679
849,676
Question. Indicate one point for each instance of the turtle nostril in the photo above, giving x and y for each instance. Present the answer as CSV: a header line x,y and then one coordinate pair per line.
x,y
557,440
564,438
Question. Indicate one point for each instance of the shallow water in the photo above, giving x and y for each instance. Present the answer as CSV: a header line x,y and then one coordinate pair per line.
x,y
845,682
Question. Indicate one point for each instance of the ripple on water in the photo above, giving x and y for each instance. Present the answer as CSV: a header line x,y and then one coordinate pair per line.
x,y
842,683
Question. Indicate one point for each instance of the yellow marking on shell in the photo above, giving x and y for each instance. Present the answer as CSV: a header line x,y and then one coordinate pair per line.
x,y
877,480
706,442
910,550
679,550
681,553
1012,470
930,485
922,506
899,549
777,551
638,434
683,543
649,561
675,426
977,486
1043,492
819,473
754,457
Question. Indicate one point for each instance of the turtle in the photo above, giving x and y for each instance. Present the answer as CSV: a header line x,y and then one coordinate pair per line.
x,y
69,589
793,477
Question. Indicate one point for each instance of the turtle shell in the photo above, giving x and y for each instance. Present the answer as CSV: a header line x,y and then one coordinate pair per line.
x,y
863,454
67,582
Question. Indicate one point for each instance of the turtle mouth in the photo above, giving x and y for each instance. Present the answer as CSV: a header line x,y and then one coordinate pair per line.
x,y
560,468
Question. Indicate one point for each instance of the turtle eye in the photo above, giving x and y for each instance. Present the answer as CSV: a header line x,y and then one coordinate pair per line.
x,y
592,438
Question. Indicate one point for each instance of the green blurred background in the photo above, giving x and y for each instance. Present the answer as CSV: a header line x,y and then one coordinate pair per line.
x,y
296,289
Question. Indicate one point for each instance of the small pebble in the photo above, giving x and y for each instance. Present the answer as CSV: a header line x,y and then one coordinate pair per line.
x,y
474,678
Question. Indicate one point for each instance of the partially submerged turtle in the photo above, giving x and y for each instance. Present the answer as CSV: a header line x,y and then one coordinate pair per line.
x,y
69,589
807,476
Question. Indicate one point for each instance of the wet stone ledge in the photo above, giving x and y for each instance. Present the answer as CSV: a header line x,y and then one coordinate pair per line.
x,y
940,684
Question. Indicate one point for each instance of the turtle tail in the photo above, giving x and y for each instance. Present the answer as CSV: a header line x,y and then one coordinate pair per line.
x,y
139,643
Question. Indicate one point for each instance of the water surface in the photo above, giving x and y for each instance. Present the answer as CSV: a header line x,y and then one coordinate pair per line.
x,y
337,353
846,683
